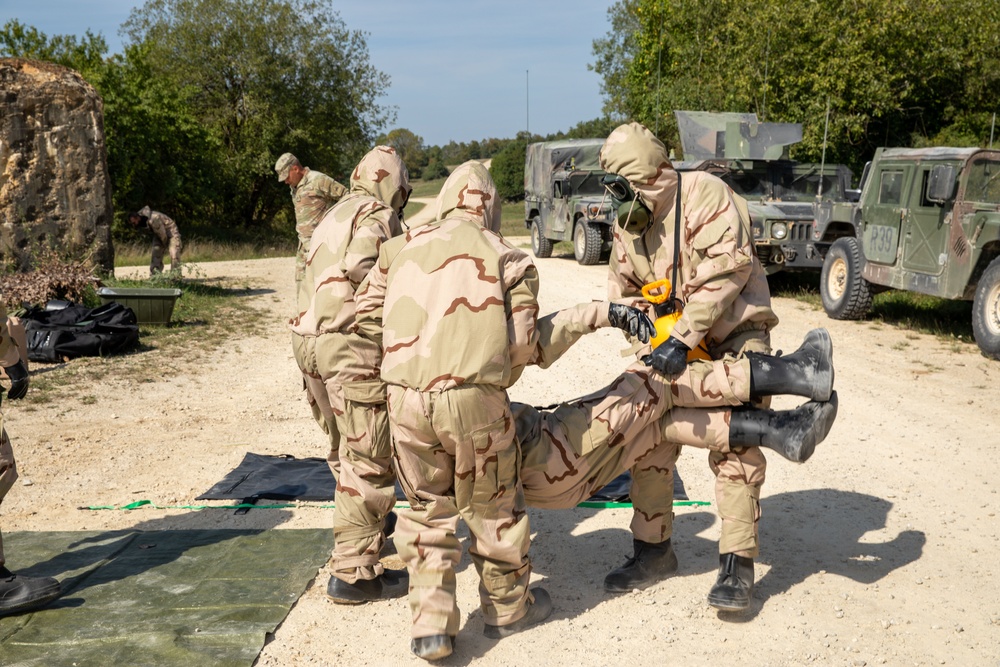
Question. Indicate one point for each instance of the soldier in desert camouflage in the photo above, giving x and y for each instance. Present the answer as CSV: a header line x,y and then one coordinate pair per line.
x,y
341,372
17,592
454,306
166,237
313,194
727,309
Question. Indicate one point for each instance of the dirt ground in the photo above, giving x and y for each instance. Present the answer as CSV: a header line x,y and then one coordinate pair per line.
x,y
872,552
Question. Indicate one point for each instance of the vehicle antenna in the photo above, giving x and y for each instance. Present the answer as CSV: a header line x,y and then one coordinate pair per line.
x,y
992,128
527,114
767,53
822,162
659,59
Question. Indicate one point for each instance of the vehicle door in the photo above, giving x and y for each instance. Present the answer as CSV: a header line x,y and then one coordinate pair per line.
x,y
560,205
884,210
925,226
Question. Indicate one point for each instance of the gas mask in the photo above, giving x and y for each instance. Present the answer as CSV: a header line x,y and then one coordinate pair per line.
x,y
630,213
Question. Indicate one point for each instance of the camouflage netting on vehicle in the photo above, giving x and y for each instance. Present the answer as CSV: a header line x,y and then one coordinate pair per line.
x,y
159,597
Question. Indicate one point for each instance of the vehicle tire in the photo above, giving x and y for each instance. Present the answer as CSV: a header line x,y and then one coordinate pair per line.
x,y
986,311
845,293
587,242
541,246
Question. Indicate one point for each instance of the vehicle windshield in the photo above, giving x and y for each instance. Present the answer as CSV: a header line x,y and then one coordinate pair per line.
x,y
747,184
803,184
984,181
586,183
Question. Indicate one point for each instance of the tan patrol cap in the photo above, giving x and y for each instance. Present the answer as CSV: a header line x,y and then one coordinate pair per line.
x,y
284,164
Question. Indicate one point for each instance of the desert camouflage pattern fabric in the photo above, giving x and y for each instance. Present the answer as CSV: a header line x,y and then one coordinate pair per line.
x,y
726,303
451,302
315,194
572,451
457,457
346,243
454,307
10,352
341,369
166,238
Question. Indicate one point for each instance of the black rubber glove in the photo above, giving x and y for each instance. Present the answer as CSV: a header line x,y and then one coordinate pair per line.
x,y
632,321
18,374
669,358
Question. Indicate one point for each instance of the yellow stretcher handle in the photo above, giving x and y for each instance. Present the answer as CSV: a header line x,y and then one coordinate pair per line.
x,y
665,323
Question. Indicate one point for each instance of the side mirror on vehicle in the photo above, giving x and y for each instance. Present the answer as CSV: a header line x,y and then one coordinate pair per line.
x,y
560,189
941,183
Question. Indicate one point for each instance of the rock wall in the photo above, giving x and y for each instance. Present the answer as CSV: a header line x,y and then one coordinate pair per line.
x,y
54,186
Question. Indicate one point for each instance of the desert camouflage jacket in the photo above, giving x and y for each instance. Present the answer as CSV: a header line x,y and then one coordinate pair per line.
x,y
722,282
451,302
161,225
347,241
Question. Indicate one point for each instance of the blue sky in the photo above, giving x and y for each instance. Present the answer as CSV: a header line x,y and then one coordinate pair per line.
x,y
459,70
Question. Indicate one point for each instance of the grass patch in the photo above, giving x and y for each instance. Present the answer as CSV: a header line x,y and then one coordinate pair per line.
x,y
203,250
429,188
944,318
209,315
512,219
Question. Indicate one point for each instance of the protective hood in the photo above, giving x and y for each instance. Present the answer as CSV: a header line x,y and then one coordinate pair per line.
x,y
634,152
145,212
469,192
382,174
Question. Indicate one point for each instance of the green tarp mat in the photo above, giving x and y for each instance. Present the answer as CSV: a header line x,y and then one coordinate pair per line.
x,y
166,597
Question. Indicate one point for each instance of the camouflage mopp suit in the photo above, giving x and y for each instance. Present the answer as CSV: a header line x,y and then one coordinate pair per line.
x,y
341,368
726,305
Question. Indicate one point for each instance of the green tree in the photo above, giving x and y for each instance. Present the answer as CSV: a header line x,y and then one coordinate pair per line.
x,y
84,55
409,147
895,74
507,168
265,77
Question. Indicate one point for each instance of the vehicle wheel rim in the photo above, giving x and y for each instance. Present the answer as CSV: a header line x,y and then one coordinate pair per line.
x,y
836,281
993,310
535,237
579,241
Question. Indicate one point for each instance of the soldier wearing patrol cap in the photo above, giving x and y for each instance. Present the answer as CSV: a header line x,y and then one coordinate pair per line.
x,y
695,231
313,194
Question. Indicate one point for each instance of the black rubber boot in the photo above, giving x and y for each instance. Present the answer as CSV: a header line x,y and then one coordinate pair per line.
x,y
434,647
538,610
806,372
20,594
649,564
389,584
732,589
792,433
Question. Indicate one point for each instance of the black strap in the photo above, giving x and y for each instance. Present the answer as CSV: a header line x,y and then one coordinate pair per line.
x,y
672,299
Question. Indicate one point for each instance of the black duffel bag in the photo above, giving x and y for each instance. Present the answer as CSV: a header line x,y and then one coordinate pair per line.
x,y
72,331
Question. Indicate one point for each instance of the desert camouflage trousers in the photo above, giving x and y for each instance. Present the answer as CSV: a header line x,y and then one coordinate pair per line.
x,y
458,457
341,375
304,351
8,472
739,474
573,451
173,246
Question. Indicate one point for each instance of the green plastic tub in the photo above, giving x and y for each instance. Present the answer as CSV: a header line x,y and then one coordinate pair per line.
x,y
151,305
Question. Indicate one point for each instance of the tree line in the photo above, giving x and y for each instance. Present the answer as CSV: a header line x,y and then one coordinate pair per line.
x,y
917,73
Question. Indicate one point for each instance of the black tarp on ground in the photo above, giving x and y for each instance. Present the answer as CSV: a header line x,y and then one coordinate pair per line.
x,y
287,478
162,597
